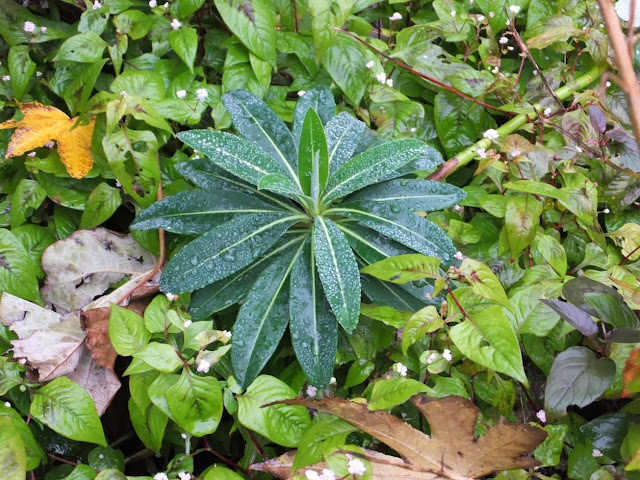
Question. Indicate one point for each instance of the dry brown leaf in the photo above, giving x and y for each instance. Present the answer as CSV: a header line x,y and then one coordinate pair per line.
x,y
43,123
451,451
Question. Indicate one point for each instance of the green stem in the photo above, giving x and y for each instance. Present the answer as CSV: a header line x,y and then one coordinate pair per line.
x,y
512,125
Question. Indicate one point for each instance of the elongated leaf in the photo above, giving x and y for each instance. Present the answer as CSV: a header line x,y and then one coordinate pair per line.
x,y
326,433
521,220
422,322
410,230
234,154
198,211
488,339
404,268
13,458
206,174
388,393
224,293
575,316
321,100
64,406
407,195
196,403
372,247
577,377
262,319
338,271
343,132
261,126
223,251
314,329
280,184
372,165
313,157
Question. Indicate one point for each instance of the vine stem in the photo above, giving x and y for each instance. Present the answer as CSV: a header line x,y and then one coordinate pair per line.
x,y
512,125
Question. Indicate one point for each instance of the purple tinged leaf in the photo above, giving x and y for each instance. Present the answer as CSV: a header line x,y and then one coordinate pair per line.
x,y
575,316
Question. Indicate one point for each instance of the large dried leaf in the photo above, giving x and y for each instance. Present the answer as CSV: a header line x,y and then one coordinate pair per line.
x,y
84,265
54,346
451,451
43,123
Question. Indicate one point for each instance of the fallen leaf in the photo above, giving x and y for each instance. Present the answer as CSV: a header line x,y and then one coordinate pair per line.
x,y
85,264
43,123
54,346
451,451
631,374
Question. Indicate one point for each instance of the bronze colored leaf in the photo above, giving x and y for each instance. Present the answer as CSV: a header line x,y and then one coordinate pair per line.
x,y
452,451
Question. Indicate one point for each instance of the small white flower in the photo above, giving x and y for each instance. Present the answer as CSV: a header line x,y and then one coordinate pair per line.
x,y
175,24
542,416
327,474
31,154
226,335
187,323
453,13
202,93
515,153
389,82
580,272
311,391
457,208
181,93
606,210
50,144
608,84
579,149
22,361
6,78
510,48
160,476
381,77
184,476
547,112
503,40
370,64
508,22
431,358
97,5
596,453
100,456
413,129
601,25
301,93
491,134
447,355
153,3
43,29
123,94
395,17
25,3
312,475
29,27
166,5
38,73
356,466
482,153
184,436
401,369
480,18
535,72
515,9
584,28
203,366
495,70
333,381
7,404
470,2
118,184
491,14
458,256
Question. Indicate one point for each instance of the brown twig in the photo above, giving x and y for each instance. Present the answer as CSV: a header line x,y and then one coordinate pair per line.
x,y
623,60
406,67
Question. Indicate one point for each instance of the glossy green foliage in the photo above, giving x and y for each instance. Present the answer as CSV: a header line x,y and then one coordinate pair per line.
x,y
313,283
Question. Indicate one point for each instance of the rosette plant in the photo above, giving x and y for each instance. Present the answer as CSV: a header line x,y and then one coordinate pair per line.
x,y
286,219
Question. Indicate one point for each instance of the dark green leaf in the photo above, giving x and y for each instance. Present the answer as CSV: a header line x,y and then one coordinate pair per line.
x,y
314,329
313,157
338,271
611,310
103,201
321,100
262,319
21,68
223,251
575,290
345,60
607,432
343,132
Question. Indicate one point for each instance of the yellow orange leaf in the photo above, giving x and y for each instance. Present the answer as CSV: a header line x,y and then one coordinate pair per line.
x,y
43,123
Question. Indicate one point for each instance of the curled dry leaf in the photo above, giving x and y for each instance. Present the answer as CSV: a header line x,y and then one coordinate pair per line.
x,y
54,346
85,264
451,451
43,123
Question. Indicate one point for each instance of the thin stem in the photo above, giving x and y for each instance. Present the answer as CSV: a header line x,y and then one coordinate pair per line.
x,y
406,67
60,459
